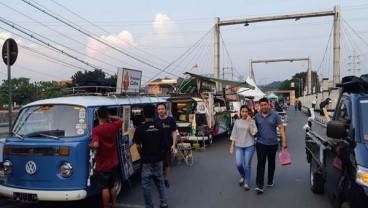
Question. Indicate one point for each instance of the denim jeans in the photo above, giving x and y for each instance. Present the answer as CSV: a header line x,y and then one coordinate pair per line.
x,y
153,171
265,152
243,160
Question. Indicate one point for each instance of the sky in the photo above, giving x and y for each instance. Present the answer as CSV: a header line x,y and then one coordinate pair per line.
x,y
164,38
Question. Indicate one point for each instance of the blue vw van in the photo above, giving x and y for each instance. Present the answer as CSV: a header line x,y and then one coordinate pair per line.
x,y
47,158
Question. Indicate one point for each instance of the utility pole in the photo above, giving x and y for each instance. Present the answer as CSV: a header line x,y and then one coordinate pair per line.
x,y
223,72
354,62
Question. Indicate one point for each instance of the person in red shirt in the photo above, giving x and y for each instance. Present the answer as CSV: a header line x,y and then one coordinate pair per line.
x,y
107,163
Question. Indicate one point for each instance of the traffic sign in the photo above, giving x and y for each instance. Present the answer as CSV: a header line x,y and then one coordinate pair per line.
x,y
13,51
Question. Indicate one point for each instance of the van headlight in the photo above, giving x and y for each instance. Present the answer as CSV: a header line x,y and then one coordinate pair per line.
x,y
8,167
66,169
362,176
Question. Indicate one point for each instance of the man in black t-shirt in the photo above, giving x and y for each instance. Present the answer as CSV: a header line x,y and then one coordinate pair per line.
x,y
149,140
168,125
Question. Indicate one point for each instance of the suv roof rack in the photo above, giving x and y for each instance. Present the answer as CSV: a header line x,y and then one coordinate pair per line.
x,y
354,84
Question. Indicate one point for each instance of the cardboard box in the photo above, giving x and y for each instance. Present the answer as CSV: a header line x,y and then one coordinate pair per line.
x,y
134,153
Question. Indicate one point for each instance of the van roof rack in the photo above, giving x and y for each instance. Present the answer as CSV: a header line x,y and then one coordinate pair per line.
x,y
89,90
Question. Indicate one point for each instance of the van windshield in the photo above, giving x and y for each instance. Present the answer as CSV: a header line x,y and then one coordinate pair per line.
x,y
364,119
52,121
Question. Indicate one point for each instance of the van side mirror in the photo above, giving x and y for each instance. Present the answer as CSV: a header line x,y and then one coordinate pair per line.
x,y
336,130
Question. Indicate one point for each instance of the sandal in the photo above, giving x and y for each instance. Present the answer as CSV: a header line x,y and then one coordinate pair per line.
x,y
241,181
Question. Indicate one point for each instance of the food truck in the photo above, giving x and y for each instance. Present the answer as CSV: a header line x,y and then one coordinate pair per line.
x,y
200,117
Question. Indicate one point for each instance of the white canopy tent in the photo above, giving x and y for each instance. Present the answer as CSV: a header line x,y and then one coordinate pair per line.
x,y
246,92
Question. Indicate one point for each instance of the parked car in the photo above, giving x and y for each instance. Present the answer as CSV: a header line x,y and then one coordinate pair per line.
x,y
337,150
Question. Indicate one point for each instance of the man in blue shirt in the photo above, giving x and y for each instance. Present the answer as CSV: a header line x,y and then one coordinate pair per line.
x,y
267,143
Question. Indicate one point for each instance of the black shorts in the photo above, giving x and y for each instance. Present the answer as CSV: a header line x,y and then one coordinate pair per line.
x,y
106,179
166,157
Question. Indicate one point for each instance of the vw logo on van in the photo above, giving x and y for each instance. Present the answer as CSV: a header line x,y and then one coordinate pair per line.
x,y
31,167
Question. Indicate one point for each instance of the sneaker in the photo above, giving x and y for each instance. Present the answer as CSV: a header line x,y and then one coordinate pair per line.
x,y
167,183
246,187
270,184
164,206
259,190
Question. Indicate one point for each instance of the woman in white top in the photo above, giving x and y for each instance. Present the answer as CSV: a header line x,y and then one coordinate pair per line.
x,y
242,137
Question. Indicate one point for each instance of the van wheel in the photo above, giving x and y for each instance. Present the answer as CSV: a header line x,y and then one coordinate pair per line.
x,y
316,180
118,184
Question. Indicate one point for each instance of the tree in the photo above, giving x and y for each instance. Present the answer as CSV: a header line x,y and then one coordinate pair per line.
x,y
48,89
82,79
23,92
285,85
300,83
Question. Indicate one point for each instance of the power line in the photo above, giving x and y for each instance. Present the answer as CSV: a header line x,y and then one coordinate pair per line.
x,y
352,42
228,55
183,54
186,52
47,44
106,31
62,45
327,46
49,57
68,37
97,39
196,56
38,72
355,32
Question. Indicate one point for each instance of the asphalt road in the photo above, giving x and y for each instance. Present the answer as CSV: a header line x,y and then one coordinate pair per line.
x,y
213,181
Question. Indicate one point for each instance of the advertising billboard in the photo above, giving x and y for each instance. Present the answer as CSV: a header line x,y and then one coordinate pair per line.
x,y
129,80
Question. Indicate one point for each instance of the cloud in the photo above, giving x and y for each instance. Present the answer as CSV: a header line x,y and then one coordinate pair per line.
x,y
163,24
124,38
6,35
165,35
3,37
121,40
96,50
157,41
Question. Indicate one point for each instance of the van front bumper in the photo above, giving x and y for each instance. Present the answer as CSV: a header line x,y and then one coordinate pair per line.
x,y
42,195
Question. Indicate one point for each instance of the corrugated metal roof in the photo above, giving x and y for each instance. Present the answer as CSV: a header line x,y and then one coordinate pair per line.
x,y
88,101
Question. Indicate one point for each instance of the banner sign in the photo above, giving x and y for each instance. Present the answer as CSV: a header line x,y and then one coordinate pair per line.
x,y
129,80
